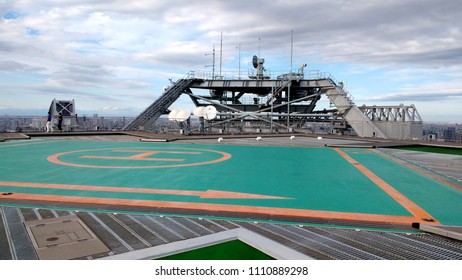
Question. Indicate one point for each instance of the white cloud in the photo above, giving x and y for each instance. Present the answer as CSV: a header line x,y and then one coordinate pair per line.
x,y
105,48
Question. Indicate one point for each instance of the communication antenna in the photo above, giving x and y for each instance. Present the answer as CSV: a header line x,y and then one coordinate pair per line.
x,y
255,61
179,115
258,64
183,115
291,49
199,111
258,46
221,52
209,112
213,62
173,114
239,47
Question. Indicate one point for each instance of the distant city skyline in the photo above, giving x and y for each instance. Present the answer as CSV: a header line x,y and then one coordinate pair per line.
x,y
114,58
432,131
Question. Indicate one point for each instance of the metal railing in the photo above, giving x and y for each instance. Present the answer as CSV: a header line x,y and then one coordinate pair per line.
x,y
273,75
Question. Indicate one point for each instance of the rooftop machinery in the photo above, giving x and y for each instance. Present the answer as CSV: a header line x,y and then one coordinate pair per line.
x,y
286,103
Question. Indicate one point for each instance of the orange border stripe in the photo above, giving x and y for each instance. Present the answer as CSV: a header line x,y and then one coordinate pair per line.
x,y
417,170
408,204
201,194
287,212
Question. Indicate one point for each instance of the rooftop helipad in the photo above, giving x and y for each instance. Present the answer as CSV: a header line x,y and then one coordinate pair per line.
x,y
326,198
264,182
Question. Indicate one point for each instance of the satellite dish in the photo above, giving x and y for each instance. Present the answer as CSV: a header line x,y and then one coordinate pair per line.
x,y
199,111
183,115
173,114
255,61
179,115
209,112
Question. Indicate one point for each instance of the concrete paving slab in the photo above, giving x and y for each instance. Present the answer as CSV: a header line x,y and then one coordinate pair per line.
x,y
63,238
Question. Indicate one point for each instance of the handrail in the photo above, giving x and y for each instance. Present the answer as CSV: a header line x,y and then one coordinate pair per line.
x,y
273,75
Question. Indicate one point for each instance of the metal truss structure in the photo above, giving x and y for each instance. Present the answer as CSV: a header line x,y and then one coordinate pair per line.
x,y
285,103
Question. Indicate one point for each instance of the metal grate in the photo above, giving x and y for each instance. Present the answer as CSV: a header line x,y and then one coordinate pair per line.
x,y
205,225
28,214
5,253
101,231
19,237
336,244
353,238
157,226
174,227
122,233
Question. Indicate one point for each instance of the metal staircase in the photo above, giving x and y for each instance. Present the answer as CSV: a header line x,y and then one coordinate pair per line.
x,y
361,124
398,122
160,106
278,91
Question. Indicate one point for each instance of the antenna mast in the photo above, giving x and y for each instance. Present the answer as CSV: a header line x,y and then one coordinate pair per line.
x,y
258,46
291,49
239,47
221,52
213,62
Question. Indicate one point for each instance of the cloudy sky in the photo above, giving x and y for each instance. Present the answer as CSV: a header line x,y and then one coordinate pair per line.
x,y
115,57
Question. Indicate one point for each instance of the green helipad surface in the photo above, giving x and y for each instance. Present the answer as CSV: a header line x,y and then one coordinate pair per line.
x,y
322,183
